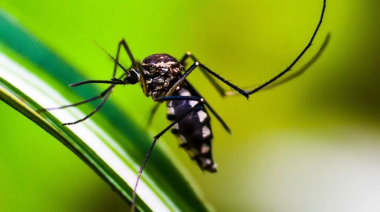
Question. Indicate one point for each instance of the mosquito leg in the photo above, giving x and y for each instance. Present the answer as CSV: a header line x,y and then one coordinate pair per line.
x,y
195,65
101,95
135,66
79,103
112,82
155,108
96,109
127,72
193,90
221,91
122,43
201,100
105,94
295,74
304,68
298,57
213,82
190,98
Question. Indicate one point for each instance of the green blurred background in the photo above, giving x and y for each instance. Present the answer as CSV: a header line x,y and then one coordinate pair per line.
x,y
310,145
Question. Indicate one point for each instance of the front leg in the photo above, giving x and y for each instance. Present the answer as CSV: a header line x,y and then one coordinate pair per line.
x,y
203,67
213,82
221,91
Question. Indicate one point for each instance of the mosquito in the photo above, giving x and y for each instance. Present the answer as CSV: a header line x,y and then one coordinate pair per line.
x,y
164,79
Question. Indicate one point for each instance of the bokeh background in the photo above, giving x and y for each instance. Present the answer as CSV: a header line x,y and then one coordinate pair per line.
x,y
309,145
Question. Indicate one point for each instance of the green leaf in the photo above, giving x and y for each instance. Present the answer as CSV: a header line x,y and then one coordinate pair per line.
x,y
113,147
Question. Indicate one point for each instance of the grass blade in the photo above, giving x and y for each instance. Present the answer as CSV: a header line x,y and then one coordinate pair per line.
x,y
114,153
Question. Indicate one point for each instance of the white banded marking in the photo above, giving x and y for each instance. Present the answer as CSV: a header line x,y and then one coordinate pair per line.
x,y
205,148
206,162
175,126
215,166
170,110
202,115
193,103
184,92
205,131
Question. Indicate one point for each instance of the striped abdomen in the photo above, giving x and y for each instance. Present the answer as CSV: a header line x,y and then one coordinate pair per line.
x,y
194,131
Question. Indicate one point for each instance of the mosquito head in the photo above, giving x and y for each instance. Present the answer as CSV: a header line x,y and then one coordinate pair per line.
x,y
160,73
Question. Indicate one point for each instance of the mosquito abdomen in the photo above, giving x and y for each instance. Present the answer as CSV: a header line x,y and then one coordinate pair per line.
x,y
193,132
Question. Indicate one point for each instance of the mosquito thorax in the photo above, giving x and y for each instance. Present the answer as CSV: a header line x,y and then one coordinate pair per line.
x,y
160,72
